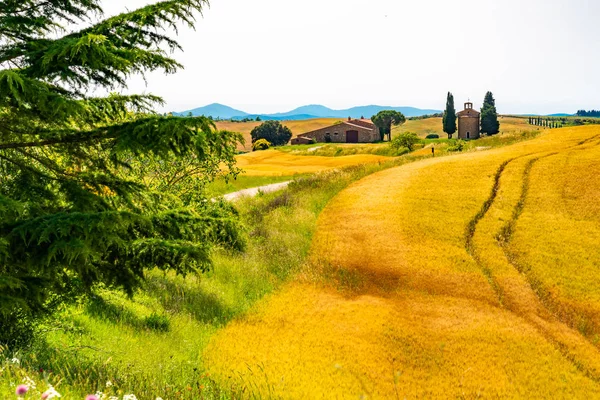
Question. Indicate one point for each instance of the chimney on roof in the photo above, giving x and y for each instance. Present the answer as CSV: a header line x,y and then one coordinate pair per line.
x,y
349,118
362,117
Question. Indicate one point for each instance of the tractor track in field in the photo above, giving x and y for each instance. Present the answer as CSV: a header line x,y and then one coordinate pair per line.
x,y
503,239
367,330
472,227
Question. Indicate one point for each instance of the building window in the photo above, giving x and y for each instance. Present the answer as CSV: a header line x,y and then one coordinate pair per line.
x,y
468,135
335,133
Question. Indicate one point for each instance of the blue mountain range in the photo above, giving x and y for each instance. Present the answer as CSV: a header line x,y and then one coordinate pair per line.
x,y
305,112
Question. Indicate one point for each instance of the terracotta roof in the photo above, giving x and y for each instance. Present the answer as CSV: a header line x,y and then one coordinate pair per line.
x,y
469,111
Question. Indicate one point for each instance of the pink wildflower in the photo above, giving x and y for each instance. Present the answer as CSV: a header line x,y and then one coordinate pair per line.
x,y
21,390
91,397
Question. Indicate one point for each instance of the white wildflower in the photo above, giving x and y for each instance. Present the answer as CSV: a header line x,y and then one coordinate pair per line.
x,y
109,384
100,395
113,398
15,360
51,393
129,397
159,398
29,382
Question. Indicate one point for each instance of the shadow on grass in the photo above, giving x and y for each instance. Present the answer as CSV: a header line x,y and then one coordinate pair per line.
x,y
176,298
99,308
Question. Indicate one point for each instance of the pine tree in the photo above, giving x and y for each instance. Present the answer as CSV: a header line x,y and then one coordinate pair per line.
x,y
489,116
384,121
91,187
449,118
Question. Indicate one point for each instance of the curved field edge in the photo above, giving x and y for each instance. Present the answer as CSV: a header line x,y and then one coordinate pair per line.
x,y
151,345
378,326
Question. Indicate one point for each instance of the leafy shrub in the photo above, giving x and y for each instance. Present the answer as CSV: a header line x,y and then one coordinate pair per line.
x,y
158,323
406,139
312,141
273,132
459,145
261,144
433,136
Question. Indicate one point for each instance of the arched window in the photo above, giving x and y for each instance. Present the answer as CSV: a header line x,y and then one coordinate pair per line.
x,y
468,135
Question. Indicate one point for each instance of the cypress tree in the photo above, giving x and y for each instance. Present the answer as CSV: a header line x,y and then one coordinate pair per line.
x,y
449,117
489,116
82,196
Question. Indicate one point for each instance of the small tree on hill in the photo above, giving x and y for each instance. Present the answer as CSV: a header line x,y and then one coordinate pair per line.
x,y
489,116
273,132
405,139
449,118
384,121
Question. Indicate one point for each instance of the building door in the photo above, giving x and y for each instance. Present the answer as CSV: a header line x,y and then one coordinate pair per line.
x,y
468,135
351,136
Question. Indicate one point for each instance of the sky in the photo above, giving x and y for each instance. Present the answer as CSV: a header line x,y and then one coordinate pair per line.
x,y
265,56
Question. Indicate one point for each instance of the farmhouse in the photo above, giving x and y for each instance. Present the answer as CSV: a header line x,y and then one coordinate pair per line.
x,y
468,123
351,131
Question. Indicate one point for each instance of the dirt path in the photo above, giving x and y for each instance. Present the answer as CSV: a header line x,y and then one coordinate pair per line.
x,y
256,190
395,305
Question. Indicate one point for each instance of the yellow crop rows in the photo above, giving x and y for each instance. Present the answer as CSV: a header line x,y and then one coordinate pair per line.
x,y
467,276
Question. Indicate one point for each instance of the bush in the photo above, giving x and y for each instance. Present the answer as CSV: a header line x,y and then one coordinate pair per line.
x,y
261,144
433,136
406,139
312,141
157,322
273,132
459,145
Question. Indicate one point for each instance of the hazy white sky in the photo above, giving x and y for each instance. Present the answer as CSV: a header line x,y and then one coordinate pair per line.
x,y
536,56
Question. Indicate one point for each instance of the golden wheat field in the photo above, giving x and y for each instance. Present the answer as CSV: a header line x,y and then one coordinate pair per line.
x,y
277,163
474,275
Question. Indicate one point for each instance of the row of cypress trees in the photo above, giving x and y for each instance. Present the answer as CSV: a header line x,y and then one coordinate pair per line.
x,y
489,116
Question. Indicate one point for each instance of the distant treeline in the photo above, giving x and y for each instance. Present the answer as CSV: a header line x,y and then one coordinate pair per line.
x,y
438,115
560,122
591,113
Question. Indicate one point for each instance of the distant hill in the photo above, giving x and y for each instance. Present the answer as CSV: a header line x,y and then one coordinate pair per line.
x,y
305,112
215,110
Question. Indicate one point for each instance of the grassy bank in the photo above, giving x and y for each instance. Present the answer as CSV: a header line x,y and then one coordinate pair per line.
x,y
151,345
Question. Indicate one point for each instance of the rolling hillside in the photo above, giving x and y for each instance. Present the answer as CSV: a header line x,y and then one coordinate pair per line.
x,y
455,277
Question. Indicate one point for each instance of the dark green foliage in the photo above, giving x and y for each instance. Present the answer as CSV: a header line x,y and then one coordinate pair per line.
x,y
384,121
591,113
94,190
449,118
273,132
158,322
432,136
406,140
489,116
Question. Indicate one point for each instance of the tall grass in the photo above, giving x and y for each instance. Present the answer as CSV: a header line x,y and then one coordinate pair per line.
x,y
151,345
